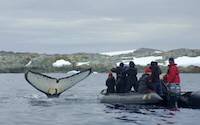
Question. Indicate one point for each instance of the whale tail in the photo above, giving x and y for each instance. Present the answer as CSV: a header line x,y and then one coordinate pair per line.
x,y
53,87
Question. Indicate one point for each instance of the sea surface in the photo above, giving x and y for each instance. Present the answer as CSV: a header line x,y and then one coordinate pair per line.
x,y
21,104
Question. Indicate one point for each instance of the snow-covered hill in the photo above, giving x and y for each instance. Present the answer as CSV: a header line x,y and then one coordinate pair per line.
x,y
143,56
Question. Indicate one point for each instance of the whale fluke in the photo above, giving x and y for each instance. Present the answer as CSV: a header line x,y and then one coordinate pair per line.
x,y
53,87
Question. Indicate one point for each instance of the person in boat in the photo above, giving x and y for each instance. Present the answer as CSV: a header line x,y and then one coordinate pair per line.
x,y
120,78
155,78
145,81
110,83
131,77
172,80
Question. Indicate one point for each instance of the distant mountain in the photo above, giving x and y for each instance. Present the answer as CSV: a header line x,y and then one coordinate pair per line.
x,y
146,52
187,59
184,57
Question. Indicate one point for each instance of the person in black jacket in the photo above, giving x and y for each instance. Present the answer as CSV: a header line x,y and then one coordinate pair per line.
x,y
120,78
144,83
110,83
155,72
155,77
131,77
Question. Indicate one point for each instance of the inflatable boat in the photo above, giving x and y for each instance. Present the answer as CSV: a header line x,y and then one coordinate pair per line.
x,y
190,100
130,98
187,99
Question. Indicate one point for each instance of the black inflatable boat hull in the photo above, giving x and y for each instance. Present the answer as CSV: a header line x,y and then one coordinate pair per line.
x,y
190,100
131,98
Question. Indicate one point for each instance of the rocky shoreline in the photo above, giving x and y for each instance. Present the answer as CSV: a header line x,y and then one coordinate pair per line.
x,y
15,62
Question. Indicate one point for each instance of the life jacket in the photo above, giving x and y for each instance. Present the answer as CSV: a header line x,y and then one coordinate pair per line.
x,y
173,74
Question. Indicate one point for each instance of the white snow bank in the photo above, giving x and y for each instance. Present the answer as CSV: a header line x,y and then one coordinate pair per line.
x,y
114,53
82,63
187,61
158,52
61,63
143,61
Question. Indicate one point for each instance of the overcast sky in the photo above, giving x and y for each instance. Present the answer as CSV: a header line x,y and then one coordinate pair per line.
x,y
68,26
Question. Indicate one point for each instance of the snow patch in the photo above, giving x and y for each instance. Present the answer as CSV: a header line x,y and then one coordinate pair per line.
x,y
61,63
157,52
143,61
114,53
187,61
82,63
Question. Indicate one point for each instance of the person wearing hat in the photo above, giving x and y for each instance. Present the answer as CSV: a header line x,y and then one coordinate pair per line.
x,y
110,83
155,76
145,81
172,80
172,76
120,78
131,77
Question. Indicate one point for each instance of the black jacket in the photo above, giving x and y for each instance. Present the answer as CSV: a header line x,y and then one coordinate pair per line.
x,y
110,83
143,83
155,76
131,77
131,74
120,72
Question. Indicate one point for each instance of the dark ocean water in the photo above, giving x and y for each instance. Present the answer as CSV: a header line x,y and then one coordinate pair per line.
x,y
21,104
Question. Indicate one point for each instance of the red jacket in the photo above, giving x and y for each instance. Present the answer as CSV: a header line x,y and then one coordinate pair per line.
x,y
173,74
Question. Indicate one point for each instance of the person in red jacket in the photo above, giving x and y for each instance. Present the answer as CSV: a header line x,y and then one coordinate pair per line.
x,y
172,79
172,76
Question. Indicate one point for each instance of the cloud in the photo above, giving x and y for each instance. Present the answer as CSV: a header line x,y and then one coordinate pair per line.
x,y
60,23
99,24
92,29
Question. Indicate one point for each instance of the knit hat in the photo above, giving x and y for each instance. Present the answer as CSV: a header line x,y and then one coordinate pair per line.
x,y
171,59
110,74
121,64
131,64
